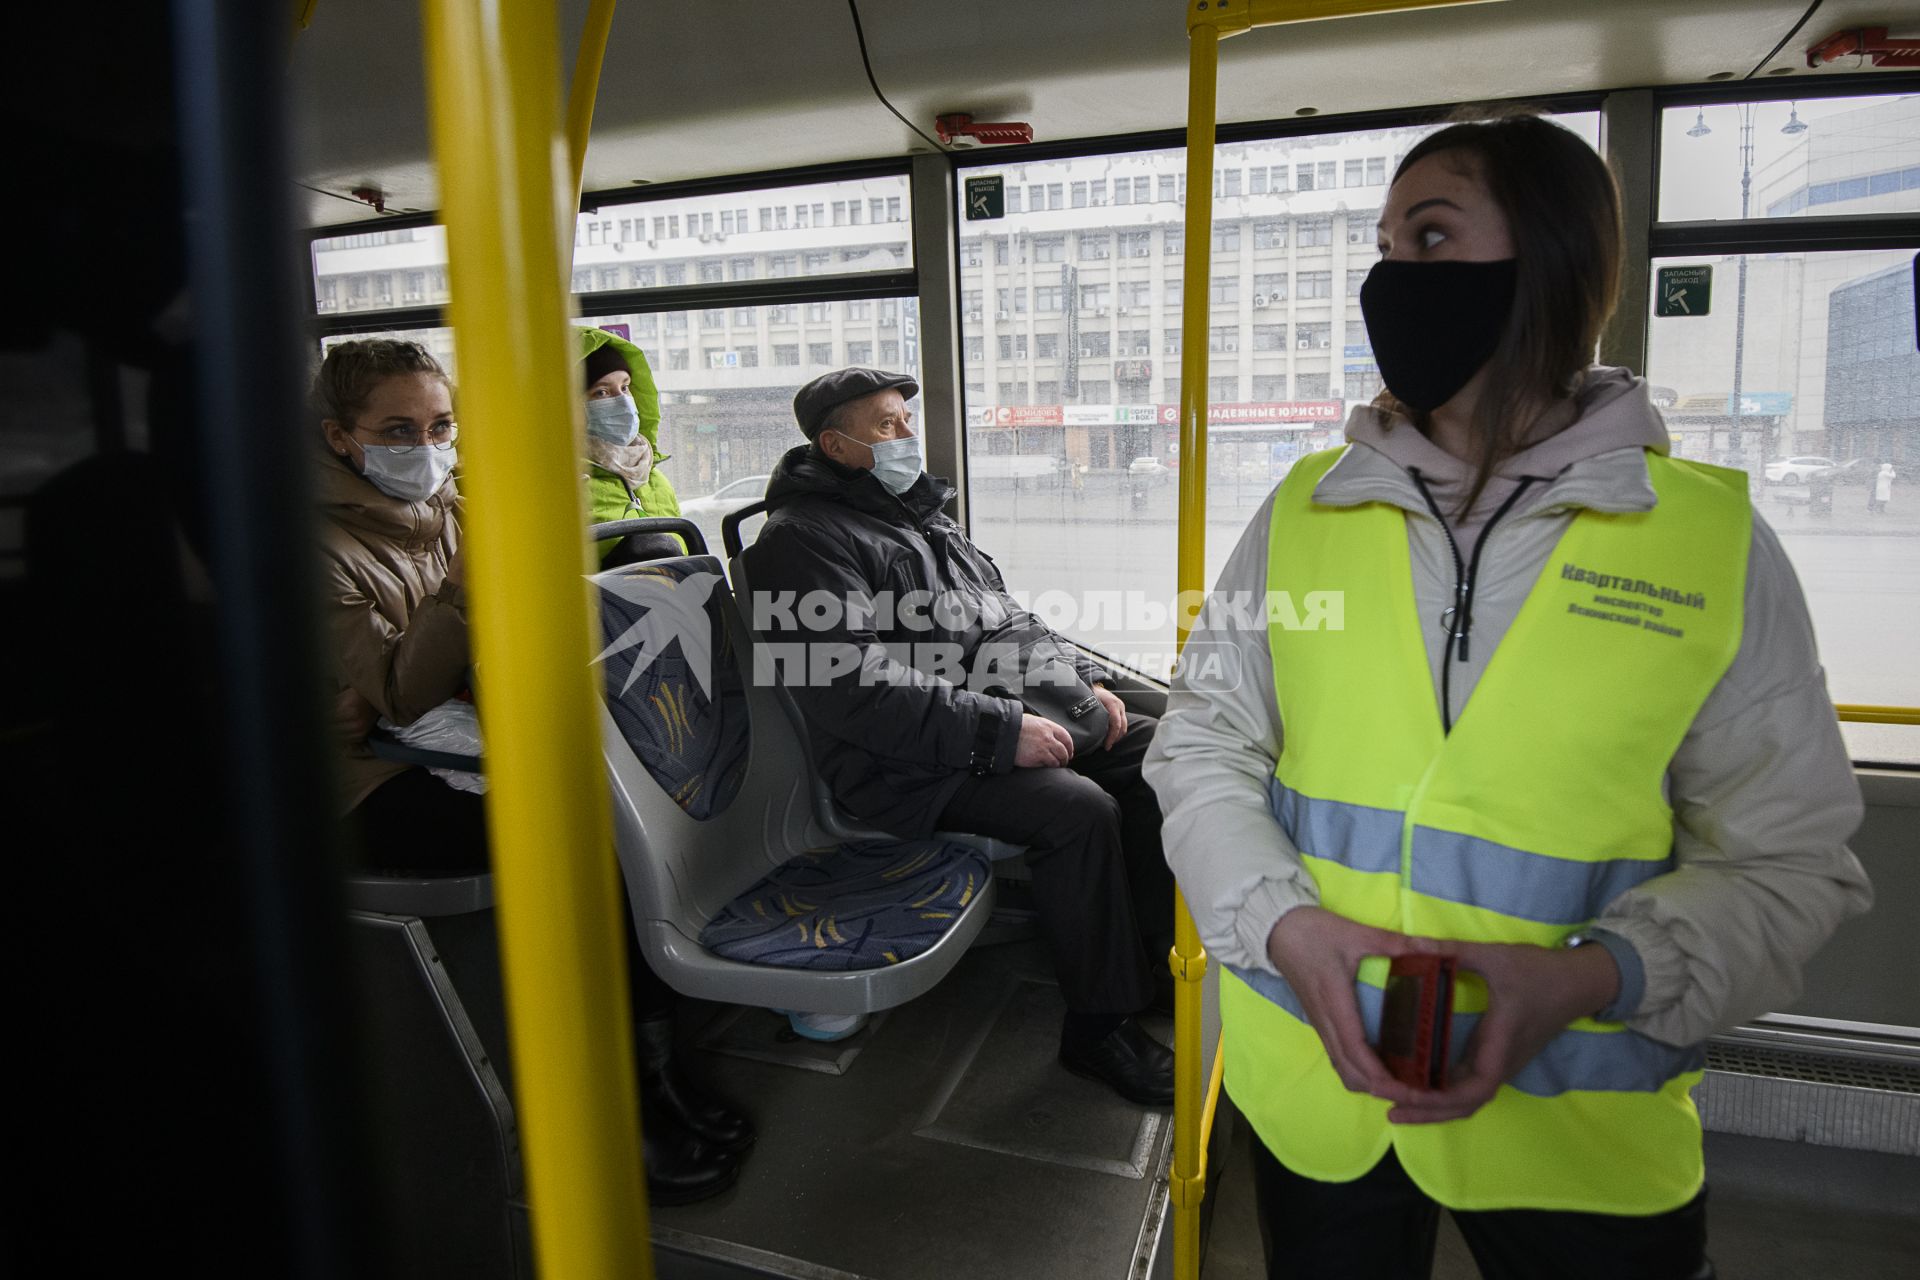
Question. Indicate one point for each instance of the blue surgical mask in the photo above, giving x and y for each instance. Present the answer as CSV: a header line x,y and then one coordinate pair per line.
x,y
615,419
896,463
411,474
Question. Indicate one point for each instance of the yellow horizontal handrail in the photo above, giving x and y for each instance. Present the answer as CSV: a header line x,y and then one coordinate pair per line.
x,y
1863,713
1231,17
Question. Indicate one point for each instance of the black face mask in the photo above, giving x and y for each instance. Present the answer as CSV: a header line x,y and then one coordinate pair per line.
x,y
1433,324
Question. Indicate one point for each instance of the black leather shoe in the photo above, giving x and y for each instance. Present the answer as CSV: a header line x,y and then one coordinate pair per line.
x,y
667,1087
1127,1060
680,1167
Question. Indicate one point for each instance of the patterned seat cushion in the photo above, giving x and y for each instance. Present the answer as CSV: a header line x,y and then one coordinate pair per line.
x,y
860,906
684,710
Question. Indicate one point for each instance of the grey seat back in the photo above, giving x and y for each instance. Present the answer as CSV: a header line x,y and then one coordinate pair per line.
x,y
680,870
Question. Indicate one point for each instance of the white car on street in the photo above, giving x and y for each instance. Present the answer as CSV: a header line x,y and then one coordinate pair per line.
x,y
710,510
1798,470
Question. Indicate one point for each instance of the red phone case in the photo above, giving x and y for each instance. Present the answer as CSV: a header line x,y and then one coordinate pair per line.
x,y
1417,1020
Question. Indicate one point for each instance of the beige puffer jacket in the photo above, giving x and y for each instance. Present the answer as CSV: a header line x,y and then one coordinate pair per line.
x,y
396,629
1763,793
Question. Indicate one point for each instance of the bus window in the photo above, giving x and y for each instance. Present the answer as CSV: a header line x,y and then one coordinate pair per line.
x,y
1813,396
851,227
1070,330
1800,368
1813,158
727,377
380,270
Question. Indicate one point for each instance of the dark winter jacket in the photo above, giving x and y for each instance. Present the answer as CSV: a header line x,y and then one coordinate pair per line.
x,y
894,737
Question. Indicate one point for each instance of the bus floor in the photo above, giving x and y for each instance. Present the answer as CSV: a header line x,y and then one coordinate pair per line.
x,y
1775,1210
943,1140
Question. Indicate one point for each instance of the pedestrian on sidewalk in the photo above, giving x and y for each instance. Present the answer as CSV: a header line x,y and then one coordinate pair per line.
x,y
1881,490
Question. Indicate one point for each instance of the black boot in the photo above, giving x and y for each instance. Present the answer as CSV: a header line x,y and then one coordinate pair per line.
x,y
716,1124
1117,1053
680,1167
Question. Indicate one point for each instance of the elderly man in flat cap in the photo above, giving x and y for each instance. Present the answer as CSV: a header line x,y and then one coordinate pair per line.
x,y
913,747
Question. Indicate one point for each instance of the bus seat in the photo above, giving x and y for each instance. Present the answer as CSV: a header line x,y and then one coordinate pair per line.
x,y
423,896
827,811
712,813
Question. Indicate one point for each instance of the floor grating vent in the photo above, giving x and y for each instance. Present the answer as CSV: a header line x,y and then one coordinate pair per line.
x,y
1858,1073
1856,1101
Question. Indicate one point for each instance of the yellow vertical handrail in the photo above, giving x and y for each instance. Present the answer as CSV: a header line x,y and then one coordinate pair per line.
x,y
1188,959
581,95
491,73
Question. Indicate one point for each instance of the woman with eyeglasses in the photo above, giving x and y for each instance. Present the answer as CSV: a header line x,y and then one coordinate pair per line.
x,y
396,614
394,591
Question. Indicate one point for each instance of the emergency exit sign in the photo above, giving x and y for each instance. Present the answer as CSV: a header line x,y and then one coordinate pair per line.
x,y
1682,291
986,198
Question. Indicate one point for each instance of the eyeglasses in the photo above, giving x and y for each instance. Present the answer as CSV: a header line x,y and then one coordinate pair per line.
x,y
405,439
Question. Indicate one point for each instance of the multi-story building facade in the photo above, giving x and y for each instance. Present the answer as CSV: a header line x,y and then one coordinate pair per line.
x,y
1072,304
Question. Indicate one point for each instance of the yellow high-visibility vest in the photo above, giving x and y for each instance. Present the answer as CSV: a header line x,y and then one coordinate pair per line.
x,y
1543,804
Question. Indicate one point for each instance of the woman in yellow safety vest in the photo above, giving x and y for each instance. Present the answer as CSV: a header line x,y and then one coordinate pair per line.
x,y
1500,681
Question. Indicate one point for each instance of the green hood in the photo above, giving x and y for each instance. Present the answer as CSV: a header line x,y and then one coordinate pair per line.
x,y
646,396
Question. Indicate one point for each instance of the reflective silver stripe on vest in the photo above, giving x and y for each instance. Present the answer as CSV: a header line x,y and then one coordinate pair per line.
x,y
1599,1061
1455,867
1352,835
1532,886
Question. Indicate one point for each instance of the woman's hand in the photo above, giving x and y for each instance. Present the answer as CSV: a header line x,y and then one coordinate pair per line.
x,y
1116,713
353,716
1533,993
1319,954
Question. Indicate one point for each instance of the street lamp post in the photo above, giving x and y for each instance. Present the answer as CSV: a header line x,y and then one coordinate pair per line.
x,y
1740,306
1793,126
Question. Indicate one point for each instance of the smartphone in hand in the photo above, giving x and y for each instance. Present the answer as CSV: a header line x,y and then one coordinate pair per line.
x,y
1417,1019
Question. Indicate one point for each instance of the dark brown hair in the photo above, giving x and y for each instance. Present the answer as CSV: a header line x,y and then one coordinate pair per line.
x,y
346,378
1563,211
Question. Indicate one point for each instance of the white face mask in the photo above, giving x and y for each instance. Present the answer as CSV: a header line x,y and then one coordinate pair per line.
x,y
615,419
896,463
409,474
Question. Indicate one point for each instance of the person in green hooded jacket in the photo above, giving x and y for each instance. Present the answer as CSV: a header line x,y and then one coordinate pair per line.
x,y
624,480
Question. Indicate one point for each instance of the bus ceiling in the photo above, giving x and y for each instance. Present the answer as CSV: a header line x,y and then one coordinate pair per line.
x,y
775,86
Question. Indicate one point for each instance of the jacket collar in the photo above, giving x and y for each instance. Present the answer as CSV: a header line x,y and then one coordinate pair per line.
x,y
1597,461
805,471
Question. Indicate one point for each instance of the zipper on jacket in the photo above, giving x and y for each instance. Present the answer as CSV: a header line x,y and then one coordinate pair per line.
x,y
1466,574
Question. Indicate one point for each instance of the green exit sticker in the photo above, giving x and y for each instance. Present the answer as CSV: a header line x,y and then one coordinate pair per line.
x,y
1683,291
986,198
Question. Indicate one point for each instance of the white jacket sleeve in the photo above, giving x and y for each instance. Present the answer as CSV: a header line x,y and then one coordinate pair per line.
x,y
1764,800
1211,764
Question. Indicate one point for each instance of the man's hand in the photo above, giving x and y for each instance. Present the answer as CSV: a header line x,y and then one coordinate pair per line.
x,y
1319,953
1533,993
1043,744
1116,713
